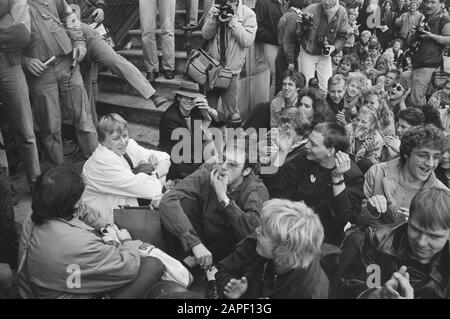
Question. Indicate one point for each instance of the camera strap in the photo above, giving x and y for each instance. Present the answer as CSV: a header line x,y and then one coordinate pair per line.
x,y
222,44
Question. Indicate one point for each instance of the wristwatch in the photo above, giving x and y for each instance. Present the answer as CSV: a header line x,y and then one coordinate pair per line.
x,y
342,181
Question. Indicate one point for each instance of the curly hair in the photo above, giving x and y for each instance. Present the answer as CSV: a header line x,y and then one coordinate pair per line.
x,y
322,112
423,135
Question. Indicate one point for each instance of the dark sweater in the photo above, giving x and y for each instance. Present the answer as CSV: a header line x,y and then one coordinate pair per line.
x,y
305,180
268,14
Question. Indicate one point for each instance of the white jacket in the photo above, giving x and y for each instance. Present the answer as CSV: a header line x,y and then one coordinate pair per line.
x,y
110,181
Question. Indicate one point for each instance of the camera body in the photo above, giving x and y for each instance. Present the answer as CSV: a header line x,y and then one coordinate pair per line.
x,y
307,20
224,8
325,46
422,27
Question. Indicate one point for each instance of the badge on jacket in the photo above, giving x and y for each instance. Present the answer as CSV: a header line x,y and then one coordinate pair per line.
x,y
313,178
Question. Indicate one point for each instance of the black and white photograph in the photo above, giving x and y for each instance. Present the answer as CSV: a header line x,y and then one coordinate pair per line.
x,y
224,154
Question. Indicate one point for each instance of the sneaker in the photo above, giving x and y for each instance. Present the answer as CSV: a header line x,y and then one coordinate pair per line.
x,y
158,100
168,74
211,290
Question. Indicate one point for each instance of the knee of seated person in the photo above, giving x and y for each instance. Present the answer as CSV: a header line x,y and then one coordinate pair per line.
x,y
152,265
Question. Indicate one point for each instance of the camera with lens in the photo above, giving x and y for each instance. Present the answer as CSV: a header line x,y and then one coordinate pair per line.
x,y
422,27
325,46
307,20
224,8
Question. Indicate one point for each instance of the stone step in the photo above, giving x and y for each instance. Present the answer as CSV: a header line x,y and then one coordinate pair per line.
x,y
146,135
136,57
109,82
132,108
180,39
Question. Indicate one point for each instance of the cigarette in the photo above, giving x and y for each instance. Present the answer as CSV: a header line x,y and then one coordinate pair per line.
x,y
50,60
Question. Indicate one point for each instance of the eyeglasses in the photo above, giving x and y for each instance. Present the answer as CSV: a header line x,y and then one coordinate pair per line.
x,y
424,157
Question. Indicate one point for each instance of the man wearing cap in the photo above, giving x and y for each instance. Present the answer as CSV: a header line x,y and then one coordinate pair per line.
x,y
14,35
189,116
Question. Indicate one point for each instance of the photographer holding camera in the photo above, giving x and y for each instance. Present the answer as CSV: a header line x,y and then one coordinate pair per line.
x,y
329,33
230,28
426,59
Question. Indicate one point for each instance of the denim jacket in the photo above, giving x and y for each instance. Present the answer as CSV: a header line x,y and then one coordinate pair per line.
x,y
50,34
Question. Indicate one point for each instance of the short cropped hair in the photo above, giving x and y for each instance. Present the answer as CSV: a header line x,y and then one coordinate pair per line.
x,y
423,135
110,124
336,79
334,136
430,208
295,230
55,194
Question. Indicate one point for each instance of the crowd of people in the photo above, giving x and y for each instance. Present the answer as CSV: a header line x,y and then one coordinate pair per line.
x,y
335,188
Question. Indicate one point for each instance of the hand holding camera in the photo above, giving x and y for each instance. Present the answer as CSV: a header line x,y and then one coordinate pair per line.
x,y
223,10
327,48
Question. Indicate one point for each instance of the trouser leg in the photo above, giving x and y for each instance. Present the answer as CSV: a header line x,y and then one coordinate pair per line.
x,y
147,17
77,109
15,97
420,82
281,65
46,109
100,51
167,21
230,96
307,64
324,72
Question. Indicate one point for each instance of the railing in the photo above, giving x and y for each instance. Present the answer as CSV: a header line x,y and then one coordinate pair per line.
x,y
120,17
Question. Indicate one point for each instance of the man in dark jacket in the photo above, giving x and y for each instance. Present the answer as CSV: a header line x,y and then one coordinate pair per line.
x,y
214,208
14,35
268,14
408,260
325,178
189,116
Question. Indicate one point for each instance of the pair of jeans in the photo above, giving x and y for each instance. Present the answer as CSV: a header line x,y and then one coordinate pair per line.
x,y
16,102
229,97
420,83
59,94
147,15
309,64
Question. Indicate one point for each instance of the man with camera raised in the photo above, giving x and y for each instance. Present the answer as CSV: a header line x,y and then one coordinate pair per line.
x,y
230,28
328,34
434,36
